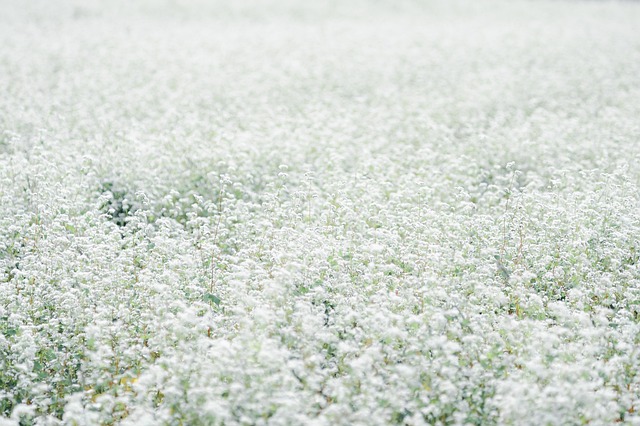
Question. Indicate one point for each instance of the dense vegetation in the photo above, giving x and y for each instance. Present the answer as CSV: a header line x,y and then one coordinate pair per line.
x,y
319,213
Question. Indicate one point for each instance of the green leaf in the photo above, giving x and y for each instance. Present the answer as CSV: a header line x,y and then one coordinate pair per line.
x,y
211,298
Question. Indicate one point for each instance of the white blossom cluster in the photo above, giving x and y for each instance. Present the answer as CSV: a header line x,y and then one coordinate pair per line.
x,y
319,213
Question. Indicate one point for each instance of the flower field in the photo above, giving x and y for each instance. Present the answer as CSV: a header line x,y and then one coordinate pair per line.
x,y
276,212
